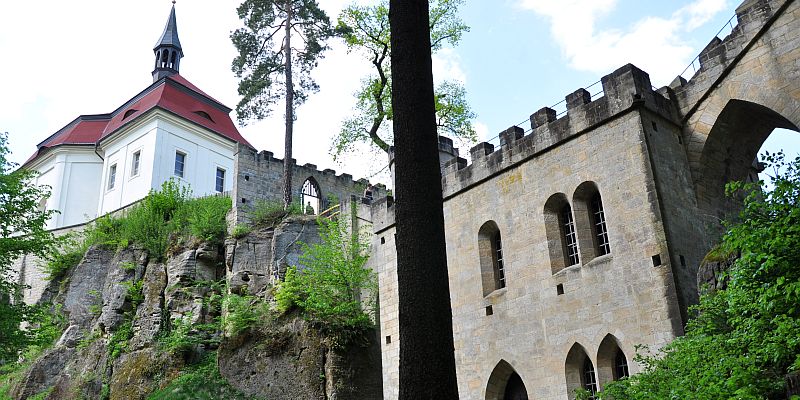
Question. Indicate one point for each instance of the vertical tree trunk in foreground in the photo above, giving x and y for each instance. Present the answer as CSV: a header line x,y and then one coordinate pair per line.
x,y
427,364
287,154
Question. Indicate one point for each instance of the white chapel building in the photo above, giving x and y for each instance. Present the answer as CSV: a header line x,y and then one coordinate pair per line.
x,y
170,130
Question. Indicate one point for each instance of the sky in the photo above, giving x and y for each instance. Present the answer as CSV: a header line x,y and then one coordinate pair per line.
x,y
67,58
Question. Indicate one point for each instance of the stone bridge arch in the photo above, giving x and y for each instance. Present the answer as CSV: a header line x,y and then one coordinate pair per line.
x,y
748,85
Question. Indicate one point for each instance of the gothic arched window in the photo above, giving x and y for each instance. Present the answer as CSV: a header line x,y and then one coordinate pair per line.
x,y
310,197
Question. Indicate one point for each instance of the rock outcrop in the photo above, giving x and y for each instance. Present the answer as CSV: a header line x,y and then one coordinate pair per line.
x,y
119,306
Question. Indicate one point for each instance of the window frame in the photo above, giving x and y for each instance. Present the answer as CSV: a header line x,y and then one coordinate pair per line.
x,y
569,236
111,177
602,246
136,163
219,183
183,164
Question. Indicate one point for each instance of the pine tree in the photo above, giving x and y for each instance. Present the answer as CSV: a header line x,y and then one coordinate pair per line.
x,y
272,66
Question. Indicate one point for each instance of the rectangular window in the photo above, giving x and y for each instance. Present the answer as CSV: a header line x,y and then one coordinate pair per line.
x,y
135,163
498,250
220,183
112,176
180,163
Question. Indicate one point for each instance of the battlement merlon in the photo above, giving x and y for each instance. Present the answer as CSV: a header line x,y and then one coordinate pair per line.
x,y
382,214
624,89
258,176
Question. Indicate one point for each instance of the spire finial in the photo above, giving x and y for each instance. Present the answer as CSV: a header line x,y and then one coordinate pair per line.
x,y
168,50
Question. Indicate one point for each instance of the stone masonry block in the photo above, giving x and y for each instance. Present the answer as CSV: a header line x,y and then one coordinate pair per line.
x,y
578,98
543,117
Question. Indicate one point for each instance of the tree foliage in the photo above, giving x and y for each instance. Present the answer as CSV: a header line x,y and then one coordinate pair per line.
x,y
268,71
332,289
365,30
746,338
261,63
22,231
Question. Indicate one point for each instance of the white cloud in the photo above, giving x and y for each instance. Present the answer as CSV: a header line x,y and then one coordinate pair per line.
x,y
652,43
446,65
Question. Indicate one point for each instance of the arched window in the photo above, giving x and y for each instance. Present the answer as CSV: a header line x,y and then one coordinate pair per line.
x,y
560,229
505,384
311,197
590,222
611,361
490,251
579,372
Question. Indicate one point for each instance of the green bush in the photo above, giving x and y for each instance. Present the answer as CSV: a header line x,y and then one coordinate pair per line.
x,y
333,289
242,312
745,339
240,231
271,213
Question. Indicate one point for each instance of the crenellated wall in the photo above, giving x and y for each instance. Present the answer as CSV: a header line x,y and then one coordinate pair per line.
x,y
625,89
258,176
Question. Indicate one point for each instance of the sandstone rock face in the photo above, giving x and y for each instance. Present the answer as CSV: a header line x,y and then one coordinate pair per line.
x,y
286,360
291,360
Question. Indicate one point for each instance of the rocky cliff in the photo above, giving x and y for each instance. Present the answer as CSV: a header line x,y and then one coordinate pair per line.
x,y
135,324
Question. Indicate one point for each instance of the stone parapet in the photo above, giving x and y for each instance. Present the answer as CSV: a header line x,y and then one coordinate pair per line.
x,y
258,176
626,88
720,54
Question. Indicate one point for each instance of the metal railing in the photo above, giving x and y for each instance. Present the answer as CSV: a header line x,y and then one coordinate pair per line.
x,y
694,65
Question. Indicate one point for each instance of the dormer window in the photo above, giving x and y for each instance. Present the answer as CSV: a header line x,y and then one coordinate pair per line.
x,y
204,115
128,113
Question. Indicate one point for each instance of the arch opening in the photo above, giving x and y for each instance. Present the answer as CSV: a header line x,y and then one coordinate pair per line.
x,y
579,372
730,154
505,384
590,222
311,197
562,244
612,363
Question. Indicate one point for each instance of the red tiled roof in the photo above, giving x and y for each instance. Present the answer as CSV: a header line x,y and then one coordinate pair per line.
x,y
176,99
82,130
173,94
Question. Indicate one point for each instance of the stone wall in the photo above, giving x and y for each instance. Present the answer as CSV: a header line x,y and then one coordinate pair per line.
x,y
627,297
258,176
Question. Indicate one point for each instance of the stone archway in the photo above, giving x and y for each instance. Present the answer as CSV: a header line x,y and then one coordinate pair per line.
x,y
729,152
505,384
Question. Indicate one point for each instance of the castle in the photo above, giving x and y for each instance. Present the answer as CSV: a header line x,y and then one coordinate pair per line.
x,y
568,245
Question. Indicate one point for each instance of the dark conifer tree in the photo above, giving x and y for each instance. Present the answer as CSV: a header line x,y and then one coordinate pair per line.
x,y
427,364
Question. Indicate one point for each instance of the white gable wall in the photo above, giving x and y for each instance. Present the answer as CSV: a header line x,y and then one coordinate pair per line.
x,y
127,186
159,135
73,174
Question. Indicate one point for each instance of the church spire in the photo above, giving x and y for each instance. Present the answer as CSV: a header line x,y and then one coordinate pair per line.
x,y
168,49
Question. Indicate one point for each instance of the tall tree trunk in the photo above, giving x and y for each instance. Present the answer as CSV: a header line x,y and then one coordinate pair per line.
x,y
427,364
287,151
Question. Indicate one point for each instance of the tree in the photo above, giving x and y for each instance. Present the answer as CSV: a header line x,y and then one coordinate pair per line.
x,y
269,72
366,30
744,339
21,232
427,362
